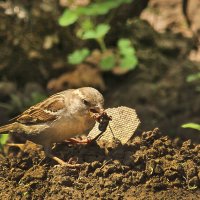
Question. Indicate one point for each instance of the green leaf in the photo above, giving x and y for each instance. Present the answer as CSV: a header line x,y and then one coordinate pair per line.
x,y
78,56
128,62
3,139
99,32
68,17
102,30
102,8
129,51
125,47
96,9
87,25
123,43
107,63
193,77
191,125
91,34
128,59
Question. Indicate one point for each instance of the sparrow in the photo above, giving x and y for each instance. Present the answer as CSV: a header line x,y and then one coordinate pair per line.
x,y
60,117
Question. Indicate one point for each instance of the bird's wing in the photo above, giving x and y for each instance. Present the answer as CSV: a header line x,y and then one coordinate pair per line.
x,y
46,111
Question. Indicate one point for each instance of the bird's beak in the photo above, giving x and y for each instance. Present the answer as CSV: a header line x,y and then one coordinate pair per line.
x,y
97,109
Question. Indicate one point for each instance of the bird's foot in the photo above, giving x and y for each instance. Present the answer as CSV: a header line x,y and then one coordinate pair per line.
x,y
62,162
79,141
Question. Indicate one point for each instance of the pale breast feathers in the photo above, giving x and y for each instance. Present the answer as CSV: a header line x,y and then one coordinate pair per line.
x,y
45,111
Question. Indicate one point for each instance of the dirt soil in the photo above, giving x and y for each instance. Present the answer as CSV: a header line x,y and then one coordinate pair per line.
x,y
151,166
157,88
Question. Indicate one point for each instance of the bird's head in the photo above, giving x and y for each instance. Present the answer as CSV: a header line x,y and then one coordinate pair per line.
x,y
90,99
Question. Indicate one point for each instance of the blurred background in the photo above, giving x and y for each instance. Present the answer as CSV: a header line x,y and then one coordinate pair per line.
x,y
144,54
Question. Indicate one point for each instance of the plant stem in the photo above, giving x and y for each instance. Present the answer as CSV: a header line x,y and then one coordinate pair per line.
x,y
101,44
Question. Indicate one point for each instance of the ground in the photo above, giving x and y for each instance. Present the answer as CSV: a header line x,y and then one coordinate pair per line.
x,y
150,166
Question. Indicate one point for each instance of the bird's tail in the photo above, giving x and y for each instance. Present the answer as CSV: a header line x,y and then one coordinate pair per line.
x,y
9,128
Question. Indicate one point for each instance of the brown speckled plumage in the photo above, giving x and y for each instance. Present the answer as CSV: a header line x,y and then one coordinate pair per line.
x,y
59,117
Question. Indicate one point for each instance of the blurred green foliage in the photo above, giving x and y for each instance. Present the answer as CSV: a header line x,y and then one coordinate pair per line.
x,y
94,9
127,52
78,56
88,28
3,140
192,126
107,63
193,77
97,32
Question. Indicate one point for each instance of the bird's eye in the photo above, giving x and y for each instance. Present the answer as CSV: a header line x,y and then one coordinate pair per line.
x,y
86,102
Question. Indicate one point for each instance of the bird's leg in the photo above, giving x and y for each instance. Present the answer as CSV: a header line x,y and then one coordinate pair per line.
x,y
20,146
58,160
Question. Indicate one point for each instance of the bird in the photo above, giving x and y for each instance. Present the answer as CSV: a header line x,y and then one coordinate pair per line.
x,y
60,117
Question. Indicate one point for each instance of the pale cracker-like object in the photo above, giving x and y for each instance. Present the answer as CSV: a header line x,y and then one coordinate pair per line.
x,y
123,125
